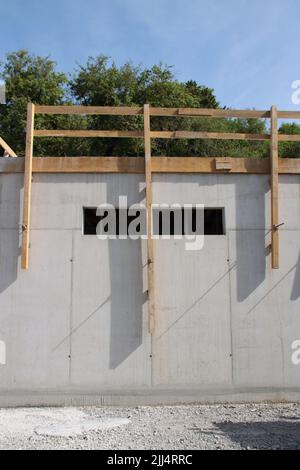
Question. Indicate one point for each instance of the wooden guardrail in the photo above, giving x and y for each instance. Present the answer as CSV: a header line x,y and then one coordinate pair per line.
x,y
151,164
7,149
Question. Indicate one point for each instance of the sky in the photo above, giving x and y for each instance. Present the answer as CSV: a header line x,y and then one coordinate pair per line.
x,y
247,50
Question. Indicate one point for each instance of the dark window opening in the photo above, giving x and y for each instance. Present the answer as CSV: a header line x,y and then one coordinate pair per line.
x,y
214,222
190,221
91,220
178,221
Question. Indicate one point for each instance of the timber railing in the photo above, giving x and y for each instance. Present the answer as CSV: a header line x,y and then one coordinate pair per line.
x,y
8,151
148,165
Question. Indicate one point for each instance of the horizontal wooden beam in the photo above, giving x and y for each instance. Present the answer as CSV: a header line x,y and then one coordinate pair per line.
x,y
89,165
85,133
207,135
156,135
205,112
128,110
289,114
154,111
137,165
91,110
208,165
289,166
289,138
11,165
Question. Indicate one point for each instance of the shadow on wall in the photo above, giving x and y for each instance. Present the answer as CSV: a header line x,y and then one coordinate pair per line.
x,y
127,297
126,283
295,294
253,244
125,259
250,230
10,203
125,273
251,250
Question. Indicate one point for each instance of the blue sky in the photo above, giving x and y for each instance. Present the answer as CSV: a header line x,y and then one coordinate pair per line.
x,y
247,50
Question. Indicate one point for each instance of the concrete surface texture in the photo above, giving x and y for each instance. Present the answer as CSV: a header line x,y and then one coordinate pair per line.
x,y
75,324
253,426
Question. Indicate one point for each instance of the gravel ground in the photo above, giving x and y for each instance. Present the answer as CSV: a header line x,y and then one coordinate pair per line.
x,y
250,426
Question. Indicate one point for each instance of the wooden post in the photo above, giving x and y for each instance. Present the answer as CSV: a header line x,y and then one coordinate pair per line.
x,y
148,175
27,187
274,188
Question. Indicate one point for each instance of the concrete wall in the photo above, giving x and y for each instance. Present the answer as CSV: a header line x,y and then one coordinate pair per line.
x,y
75,323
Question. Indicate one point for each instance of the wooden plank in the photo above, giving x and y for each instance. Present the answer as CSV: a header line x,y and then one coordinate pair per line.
x,y
289,138
158,165
223,165
7,148
137,165
207,135
150,257
288,114
274,188
289,166
90,110
85,133
89,165
27,187
207,112
12,165
207,165
128,110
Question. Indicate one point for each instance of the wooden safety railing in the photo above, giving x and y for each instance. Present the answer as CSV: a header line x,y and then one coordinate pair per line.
x,y
8,151
175,164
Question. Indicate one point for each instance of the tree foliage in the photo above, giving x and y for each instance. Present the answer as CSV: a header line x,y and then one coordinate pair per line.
x,y
289,149
30,78
100,82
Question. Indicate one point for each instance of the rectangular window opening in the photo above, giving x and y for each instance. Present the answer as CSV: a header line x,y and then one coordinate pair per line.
x,y
91,220
176,218
214,223
188,221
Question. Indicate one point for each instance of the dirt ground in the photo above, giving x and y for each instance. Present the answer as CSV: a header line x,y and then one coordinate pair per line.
x,y
250,426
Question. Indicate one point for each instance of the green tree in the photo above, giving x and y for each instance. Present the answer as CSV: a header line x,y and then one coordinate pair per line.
x,y
289,149
30,78
100,82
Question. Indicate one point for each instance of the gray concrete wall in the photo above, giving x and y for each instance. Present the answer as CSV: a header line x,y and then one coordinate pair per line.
x,y
75,323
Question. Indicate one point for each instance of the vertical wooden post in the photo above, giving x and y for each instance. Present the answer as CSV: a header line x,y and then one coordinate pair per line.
x,y
148,176
274,188
27,186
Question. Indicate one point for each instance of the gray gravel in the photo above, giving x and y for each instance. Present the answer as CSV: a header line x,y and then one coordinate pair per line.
x,y
250,426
